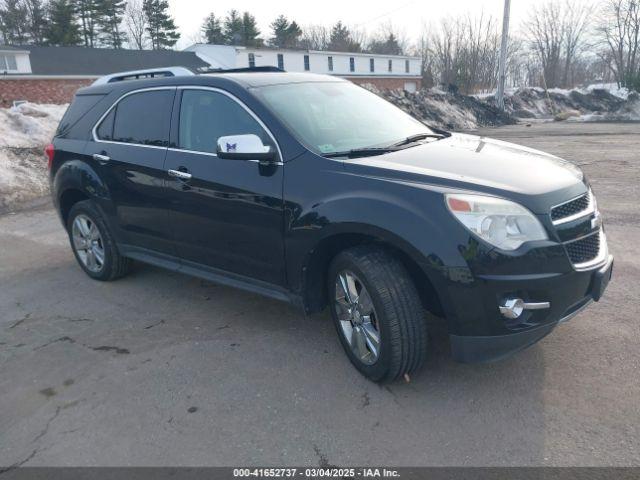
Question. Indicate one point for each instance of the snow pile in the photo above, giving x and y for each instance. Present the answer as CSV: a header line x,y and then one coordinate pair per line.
x,y
24,132
586,104
612,88
451,111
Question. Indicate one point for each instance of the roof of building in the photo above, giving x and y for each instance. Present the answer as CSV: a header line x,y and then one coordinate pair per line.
x,y
194,46
102,61
10,48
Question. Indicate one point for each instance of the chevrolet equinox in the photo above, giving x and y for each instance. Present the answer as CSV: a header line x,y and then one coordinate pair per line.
x,y
312,190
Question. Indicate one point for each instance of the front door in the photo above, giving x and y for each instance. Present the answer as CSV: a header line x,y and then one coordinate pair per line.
x,y
129,151
229,214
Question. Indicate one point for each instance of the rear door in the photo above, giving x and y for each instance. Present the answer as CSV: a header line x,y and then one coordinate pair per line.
x,y
129,147
229,214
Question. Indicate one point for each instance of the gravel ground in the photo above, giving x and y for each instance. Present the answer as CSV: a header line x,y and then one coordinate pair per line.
x,y
163,369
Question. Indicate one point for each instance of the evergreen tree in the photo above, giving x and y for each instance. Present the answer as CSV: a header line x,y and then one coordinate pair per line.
x,y
279,29
109,22
285,34
250,32
162,30
35,20
212,30
61,27
233,28
340,40
13,22
386,46
293,35
89,12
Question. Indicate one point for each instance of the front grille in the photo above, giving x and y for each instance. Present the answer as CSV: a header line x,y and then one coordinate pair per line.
x,y
585,249
570,208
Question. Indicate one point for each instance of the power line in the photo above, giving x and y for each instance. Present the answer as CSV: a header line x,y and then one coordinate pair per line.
x,y
385,14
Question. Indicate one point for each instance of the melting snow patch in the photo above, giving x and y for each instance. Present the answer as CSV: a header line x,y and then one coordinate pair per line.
x,y
592,103
24,132
445,110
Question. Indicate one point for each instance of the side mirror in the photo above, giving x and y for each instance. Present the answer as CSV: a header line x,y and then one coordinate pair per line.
x,y
244,147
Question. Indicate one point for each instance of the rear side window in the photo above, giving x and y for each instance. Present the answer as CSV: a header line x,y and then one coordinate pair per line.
x,y
140,118
206,116
79,107
105,130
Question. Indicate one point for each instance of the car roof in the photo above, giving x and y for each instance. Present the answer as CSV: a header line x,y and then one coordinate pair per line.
x,y
246,80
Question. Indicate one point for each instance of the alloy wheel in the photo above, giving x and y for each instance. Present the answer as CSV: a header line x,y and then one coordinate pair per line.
x,y
357,317
87,243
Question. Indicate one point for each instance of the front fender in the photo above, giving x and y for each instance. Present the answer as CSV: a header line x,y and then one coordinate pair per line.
x,y
409,217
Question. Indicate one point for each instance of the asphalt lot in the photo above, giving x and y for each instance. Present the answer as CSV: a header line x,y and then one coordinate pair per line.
x,y
163,369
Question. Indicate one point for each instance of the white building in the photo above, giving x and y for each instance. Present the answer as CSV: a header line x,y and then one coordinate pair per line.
x,y
47,74
14,60
384,71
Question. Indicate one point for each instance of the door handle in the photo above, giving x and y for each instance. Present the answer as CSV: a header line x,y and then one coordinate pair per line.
x,y
101,158
179,174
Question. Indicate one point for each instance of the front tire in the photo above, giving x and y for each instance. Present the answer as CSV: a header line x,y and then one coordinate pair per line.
x,y
377,312
93,245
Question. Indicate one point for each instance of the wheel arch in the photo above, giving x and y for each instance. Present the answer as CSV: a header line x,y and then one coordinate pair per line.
x,y
67,200
316,264
75,181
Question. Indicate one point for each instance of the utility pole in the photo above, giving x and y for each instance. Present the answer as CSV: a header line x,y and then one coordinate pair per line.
x,y
503,56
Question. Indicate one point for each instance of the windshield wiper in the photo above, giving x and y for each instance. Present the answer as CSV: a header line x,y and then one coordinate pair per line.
x,y
361,152
370,151
417,137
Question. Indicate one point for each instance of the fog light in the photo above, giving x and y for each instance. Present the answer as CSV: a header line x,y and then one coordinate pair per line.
x,y
513,307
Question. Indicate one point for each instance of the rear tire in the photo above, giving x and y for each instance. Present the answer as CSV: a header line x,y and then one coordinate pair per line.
x,y
394,311
93,244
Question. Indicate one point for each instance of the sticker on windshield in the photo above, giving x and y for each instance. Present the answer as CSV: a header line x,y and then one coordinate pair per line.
x,y
327,147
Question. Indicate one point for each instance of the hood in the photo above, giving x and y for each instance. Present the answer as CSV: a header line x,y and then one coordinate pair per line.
x,y
480,163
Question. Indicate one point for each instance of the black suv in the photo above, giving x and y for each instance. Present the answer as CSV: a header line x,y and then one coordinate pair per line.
x,y
309,189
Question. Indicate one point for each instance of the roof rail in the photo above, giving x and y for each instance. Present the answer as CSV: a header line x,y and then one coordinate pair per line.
x,y
239,70
143,74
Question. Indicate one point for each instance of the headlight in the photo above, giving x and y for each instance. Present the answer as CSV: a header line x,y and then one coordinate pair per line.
x,y
500,222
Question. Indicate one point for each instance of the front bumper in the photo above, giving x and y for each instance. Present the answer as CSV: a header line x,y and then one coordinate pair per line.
x,y
562,291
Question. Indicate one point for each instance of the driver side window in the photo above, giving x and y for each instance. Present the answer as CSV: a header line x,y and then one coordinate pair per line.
x,y
206,116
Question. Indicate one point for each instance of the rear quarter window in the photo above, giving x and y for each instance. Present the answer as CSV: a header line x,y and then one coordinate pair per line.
x,y
105,130
79,107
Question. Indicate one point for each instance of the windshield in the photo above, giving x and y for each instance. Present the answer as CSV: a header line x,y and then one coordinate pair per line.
x,y
338,116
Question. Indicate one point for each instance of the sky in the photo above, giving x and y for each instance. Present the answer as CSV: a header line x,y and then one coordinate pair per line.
x,y
406,15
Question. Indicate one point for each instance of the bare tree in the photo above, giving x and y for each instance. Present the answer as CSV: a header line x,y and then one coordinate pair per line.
x,y
575,26
619,28
481,53
546,35
359,36
136,23
462,53
444,45
556,33
518,60
424,51
315,37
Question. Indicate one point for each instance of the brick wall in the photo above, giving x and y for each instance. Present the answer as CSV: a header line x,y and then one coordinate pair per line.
x,y
61,91
387,83
34,90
